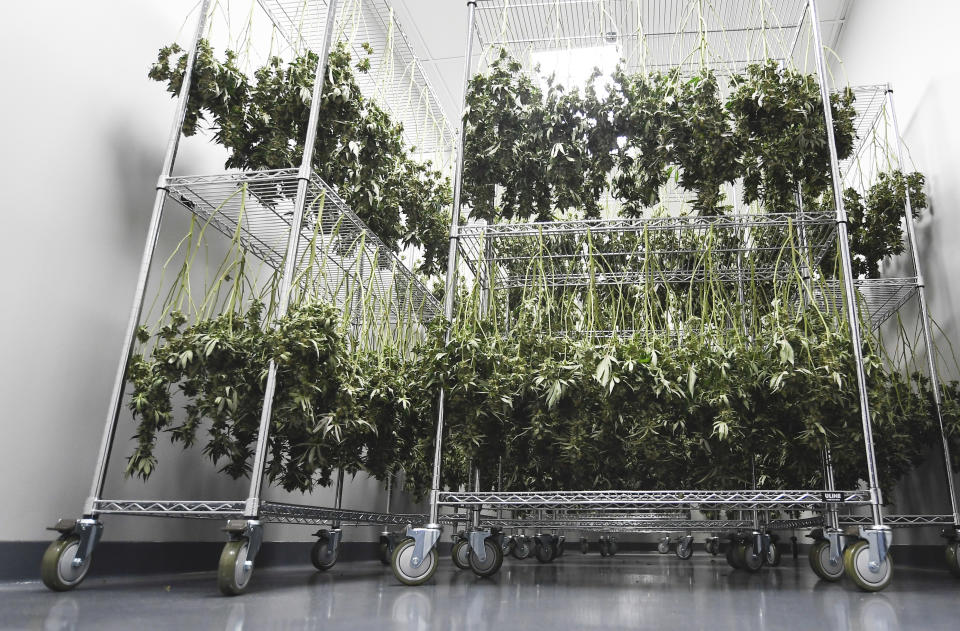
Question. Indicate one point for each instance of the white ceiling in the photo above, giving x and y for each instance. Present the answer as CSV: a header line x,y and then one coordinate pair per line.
x,y
437,31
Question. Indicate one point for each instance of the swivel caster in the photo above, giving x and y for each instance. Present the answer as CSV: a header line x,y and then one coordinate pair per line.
x,y
749,558
664,546
461,554
545,549
234,570
584,545
856,563
325,551
404,569
493,558
773,555
821,563
684,550
66,561
57,568
712,546
522,548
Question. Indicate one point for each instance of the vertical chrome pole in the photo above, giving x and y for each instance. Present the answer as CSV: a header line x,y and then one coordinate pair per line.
x,y
853,318
252,507
146,260
475,518
924,313
450,287
389,490
804,250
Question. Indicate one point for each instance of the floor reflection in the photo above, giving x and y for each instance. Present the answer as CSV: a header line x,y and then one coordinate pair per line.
x,y
636,591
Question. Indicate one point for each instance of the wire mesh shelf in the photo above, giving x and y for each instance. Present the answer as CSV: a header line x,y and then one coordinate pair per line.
x,y
396,79
650,35
350,265
272,512
620,500
683,249
879,298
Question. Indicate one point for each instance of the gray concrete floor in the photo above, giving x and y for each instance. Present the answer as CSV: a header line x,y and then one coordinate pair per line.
x,y
629,591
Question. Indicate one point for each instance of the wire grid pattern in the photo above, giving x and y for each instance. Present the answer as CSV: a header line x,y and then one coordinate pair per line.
x,y
353,268
652,34
624,525
879,298
624,251
619,500
899,521
396,79
271,512
871,105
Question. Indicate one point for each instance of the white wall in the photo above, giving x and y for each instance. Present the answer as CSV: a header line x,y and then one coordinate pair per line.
x,y
84,132
913,46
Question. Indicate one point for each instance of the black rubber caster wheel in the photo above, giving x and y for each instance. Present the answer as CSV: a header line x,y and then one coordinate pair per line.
x,y
492,561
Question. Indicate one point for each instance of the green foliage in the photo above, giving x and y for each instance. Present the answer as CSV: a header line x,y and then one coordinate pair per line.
x,y
875,220
653,412
778,119
549,151
218,367
262,122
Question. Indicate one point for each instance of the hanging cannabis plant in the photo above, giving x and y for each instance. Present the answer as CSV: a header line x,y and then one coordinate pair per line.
x,y
778,120
262,121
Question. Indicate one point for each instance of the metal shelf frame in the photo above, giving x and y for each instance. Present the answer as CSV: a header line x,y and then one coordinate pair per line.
x,y
278,215
534,25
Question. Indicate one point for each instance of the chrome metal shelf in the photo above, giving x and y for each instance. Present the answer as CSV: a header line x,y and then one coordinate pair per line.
x,y
352,262
899,521
618,500
880,298
742,247
270,512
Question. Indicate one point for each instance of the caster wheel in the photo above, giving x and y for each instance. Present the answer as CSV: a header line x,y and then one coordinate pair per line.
x,y
612,547
684,552
773,555
584,546
856,563
821,564
402,563
56,567
233,573
732,557
461,554
491,564
664,546
749,559
545,553
559,546
522,549
507,546
323,555
712,546
384,553
604,548
953,557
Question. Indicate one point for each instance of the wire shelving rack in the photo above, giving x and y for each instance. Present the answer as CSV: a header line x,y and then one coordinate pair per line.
x,y
651,36
276,216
